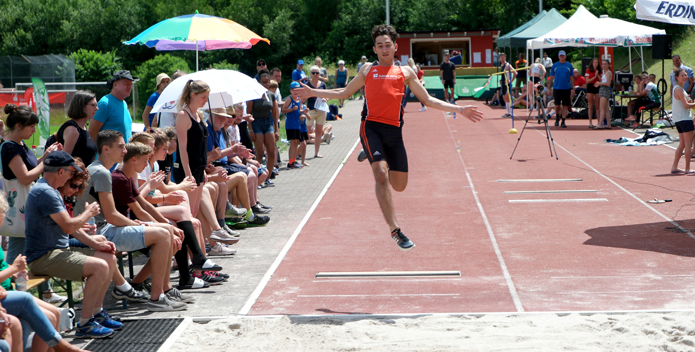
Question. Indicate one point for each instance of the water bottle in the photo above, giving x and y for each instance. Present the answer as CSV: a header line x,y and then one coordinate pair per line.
x,y
20,282
33,149
92,226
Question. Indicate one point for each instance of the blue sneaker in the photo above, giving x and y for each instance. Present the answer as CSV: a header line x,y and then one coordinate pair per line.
x,y
92,330
402,240
106,321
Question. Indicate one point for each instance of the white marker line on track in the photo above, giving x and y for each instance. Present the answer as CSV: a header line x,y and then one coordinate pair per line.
x,y
384,295
586,200
628,192
266,278
558,191
175,335
507,277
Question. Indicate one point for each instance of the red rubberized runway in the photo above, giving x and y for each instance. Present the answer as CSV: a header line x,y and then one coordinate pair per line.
x,y
589,242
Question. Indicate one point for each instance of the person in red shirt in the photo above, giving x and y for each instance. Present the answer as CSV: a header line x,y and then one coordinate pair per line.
x,y
579,81
382,119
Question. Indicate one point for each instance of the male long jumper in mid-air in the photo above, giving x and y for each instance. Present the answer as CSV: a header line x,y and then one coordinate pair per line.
x,y
382,119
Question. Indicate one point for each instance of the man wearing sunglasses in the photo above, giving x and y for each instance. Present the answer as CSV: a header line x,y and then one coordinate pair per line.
x,y
260,64
382,120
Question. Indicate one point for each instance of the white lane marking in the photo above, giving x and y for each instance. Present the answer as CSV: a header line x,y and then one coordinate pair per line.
x,y
618,292
386,279
507,277
557,191
656,277
385,295
628,192
266,278
175,335
543,180
361,274
586,200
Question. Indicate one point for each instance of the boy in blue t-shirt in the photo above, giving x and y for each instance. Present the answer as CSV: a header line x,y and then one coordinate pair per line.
x,y
296,115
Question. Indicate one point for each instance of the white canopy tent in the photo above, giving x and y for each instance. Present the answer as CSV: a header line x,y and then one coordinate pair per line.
x,y
584,29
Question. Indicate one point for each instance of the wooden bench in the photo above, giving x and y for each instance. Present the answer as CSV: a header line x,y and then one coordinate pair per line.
x,y
37,280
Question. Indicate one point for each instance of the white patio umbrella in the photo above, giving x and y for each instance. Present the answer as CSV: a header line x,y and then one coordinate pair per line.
x,y
227,87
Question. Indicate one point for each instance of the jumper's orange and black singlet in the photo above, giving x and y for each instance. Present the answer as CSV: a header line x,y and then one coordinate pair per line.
x,y
382,116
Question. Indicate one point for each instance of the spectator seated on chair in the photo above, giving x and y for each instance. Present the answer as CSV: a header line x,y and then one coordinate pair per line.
x,y
649,98
42,317
47,227
128,235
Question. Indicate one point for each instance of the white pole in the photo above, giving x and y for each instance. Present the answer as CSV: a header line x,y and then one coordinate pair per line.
x,y
388,17
629,56
196,55
641,55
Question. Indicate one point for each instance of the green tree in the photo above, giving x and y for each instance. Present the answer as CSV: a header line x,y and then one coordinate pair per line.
x,y
93,66
148,71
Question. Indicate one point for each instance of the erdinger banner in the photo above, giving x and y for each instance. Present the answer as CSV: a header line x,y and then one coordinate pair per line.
x,y
677,12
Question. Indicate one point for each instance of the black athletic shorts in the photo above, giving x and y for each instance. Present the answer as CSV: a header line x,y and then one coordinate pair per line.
x,y
562,97
303,136
384,142
198,174
293,134
448,83
590,89
685,126
535,79
504,90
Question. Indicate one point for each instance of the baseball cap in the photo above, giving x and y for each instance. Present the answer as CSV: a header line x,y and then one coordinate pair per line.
x,y
60,158
300,62
364,57
561,53
260,62
123,74
162,76
294,85
341,62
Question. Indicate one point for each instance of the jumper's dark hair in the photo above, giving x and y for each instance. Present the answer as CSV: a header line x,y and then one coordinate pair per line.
x,y
20,116
384,29
79,103
107,137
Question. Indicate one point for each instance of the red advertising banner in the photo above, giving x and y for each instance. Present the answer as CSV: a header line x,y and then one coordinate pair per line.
x,y
25,98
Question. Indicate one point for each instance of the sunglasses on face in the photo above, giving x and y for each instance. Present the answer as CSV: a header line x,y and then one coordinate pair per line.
x,y
260,65
74,186
314,73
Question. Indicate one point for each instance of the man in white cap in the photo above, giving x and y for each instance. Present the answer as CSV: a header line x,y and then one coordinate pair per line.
x,y
359,67
151,120
561,79
113,111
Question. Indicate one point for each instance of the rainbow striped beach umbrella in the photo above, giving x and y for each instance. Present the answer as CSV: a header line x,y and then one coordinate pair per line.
x,y
197,32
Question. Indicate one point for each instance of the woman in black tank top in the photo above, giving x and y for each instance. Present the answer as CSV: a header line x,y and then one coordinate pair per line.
x,y
191,132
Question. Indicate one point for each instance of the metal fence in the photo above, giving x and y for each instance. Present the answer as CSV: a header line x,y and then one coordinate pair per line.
x,y
50,68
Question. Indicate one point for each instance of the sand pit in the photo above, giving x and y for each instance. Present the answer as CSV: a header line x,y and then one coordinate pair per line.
x,y
634,331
